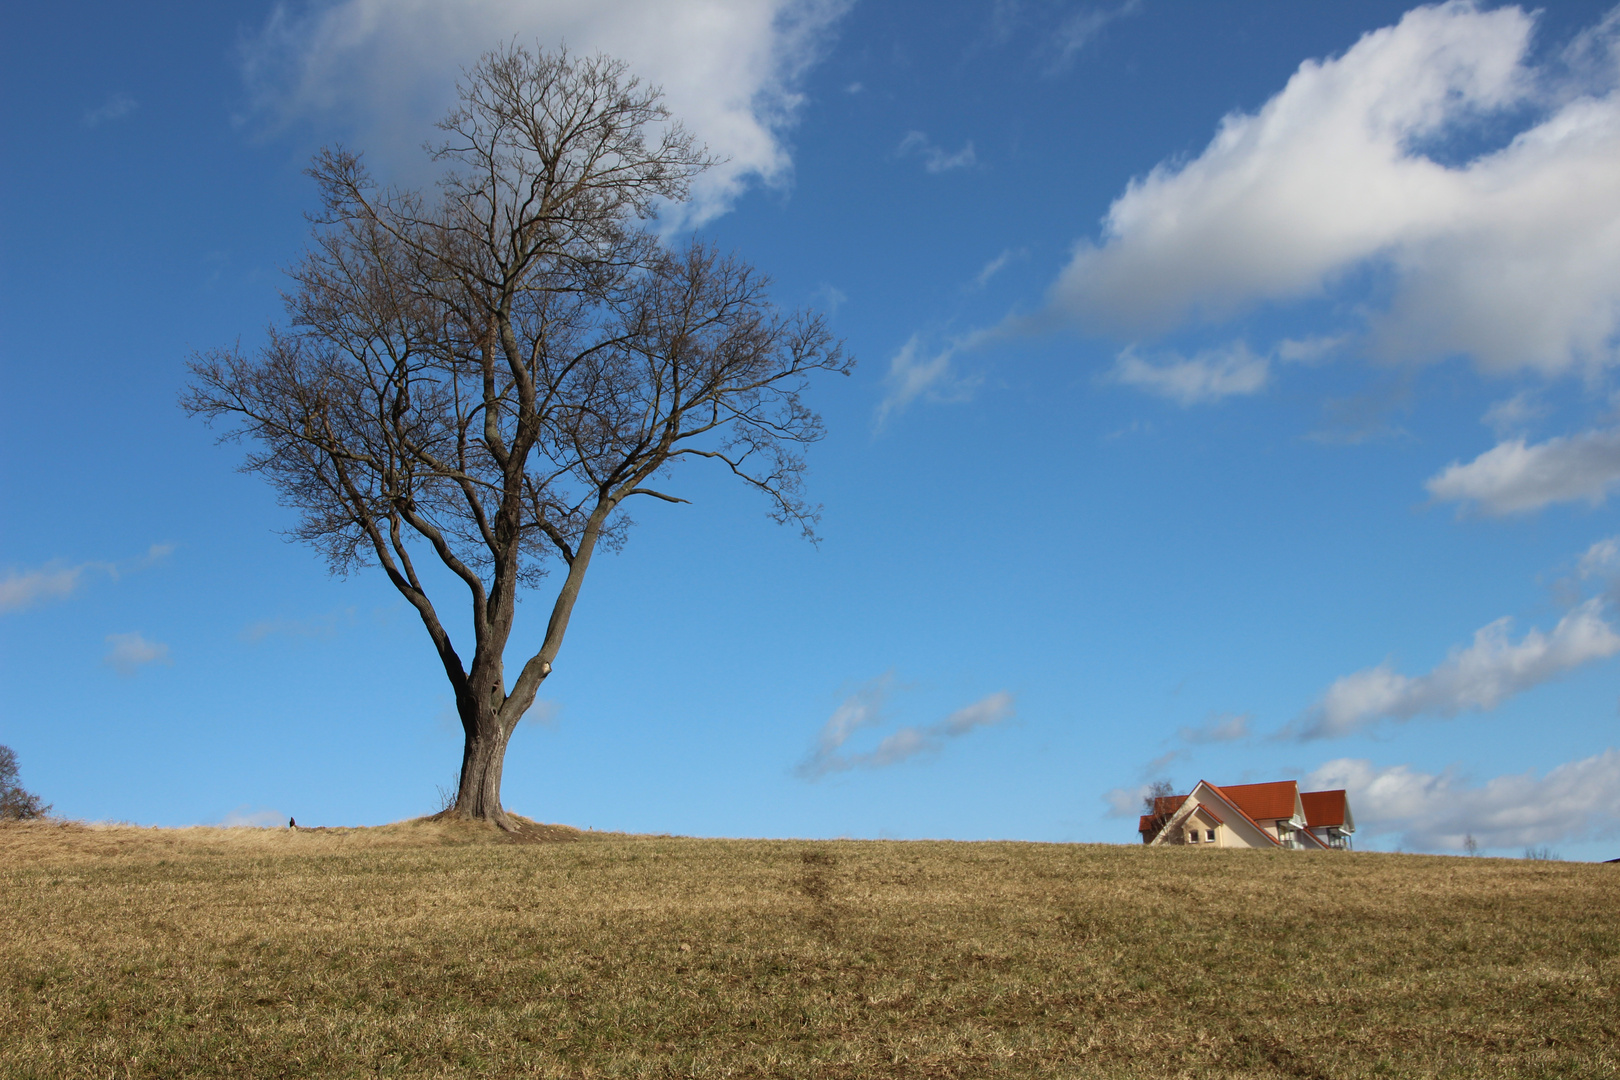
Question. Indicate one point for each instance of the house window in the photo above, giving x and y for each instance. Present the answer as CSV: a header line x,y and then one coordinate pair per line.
x,y
1192,837
1211,834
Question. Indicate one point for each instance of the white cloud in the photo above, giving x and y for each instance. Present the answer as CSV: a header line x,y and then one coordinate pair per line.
x,y
1512,258
1575,801
935,159
1516,477
131,652
24,588
864,708
913,374
1209,376
385,69
1476,678
116,107
243,818
1126,802
21,589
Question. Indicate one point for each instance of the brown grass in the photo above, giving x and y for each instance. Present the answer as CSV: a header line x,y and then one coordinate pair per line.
x,y
437,949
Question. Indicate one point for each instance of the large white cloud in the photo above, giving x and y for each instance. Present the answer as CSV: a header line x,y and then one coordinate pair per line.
x,y
1512,258
1515,476
386,69
1476,678
1575,801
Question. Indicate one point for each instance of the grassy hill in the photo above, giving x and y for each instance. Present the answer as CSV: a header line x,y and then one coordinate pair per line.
x,y
427,949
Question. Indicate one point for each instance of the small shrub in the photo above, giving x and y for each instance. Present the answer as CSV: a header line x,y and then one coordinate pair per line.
x,y
16,803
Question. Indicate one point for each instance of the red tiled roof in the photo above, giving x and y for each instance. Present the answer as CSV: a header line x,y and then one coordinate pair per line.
x,y
1145,823
1262,802
1323,808
1167,804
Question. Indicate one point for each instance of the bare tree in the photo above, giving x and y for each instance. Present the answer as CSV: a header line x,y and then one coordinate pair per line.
x,y
486,377
1159,789
1156,806
16,802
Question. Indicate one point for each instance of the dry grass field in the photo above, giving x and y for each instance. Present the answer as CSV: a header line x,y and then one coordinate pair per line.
x,y
427,949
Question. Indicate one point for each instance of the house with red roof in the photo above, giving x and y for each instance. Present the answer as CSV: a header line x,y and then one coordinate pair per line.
x,y
1274,815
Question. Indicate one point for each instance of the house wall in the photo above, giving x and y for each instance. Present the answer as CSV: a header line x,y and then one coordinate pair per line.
x,y
1203,821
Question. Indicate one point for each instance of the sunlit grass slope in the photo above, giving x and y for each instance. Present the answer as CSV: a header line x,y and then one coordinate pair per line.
x,y
437,950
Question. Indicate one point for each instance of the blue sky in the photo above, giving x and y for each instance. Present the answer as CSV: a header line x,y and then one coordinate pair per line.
x,y
1236,401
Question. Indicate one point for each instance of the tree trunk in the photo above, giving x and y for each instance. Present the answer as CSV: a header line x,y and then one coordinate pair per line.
x,y
482,757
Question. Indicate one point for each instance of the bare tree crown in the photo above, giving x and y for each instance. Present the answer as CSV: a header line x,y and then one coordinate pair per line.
x,y
492,372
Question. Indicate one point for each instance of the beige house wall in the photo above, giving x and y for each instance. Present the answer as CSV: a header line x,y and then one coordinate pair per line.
x,y
1201,822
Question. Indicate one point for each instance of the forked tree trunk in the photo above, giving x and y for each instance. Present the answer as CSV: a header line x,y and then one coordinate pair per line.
x,y
488,727
482,757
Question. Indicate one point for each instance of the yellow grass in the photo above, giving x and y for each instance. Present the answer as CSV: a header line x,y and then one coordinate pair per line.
x,y
432,949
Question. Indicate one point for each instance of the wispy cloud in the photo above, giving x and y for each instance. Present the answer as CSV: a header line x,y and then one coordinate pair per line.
x,y
131,652
1514,413
935,159
1438,812
1475,678
116,107
22,589
244,818
997,265
1081,28
1220,728
1230,370
1601,560
1515,477
320,626
1156,766
830,297
1217,728
1365,416
1207,377
914,374
864,708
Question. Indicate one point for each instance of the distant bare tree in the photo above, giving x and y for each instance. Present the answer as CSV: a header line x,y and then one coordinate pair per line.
x,y
17,803
488,375
1159,789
